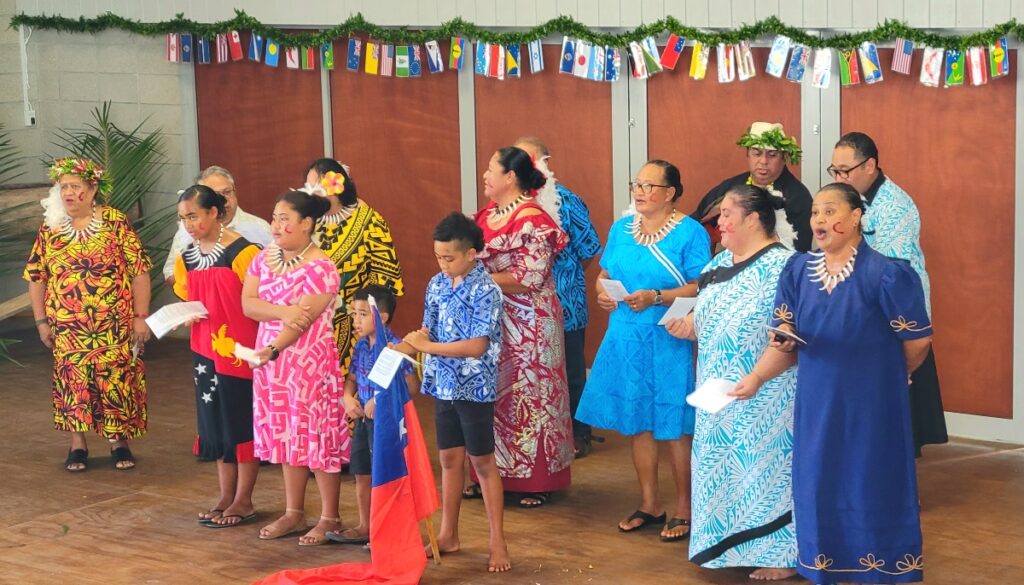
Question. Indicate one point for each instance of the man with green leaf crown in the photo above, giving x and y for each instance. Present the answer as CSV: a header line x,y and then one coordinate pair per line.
x,y
769,151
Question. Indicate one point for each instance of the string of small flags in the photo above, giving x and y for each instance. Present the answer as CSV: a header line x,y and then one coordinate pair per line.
x,y
582,59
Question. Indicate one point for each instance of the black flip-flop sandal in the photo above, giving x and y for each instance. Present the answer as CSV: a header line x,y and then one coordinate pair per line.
x,y
472,491
539,499
672,525
120,455
241,520
217,513
76,456
646,520
336,536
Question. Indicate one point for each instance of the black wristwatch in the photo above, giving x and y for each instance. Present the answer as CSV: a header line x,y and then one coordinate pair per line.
x,y
274,353
658,299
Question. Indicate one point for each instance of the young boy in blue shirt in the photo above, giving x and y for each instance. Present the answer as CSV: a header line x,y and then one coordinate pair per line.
x,y
359,402
461,336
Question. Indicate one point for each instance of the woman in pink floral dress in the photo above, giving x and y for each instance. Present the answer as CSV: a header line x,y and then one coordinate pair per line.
x,y
532,425
291,288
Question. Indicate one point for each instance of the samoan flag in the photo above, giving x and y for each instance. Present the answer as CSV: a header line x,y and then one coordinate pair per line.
x,y
403,493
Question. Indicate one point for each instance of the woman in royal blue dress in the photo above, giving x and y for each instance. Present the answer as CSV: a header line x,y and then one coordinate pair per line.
x,y
863,318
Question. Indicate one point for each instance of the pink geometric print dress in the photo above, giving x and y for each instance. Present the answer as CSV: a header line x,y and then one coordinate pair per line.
x,y
297,407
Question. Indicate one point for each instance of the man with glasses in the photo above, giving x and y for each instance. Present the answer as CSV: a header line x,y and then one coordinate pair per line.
x,y
252,228
892,226
768,151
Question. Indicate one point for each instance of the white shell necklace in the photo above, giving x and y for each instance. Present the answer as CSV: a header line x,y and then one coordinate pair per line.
x,y
499,213
339,216
821,274
195,255
68,230
277,263
651,239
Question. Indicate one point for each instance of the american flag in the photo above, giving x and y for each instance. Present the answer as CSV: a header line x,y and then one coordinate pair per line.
x,y
387,60
902,55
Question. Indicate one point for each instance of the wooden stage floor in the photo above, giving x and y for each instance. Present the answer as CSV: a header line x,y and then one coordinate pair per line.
x,y
115,528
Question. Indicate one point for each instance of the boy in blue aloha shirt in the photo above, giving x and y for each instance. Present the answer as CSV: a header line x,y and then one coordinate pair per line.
x,y
359,398
461,336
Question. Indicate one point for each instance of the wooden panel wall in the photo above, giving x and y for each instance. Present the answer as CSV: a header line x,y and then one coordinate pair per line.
x,y
265,153
401,140
573,118
952,150
695,124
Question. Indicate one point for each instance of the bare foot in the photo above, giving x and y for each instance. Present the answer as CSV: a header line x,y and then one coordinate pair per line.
x,y
445,545
499,562
772,574
213,513
235,515
291,521
318,534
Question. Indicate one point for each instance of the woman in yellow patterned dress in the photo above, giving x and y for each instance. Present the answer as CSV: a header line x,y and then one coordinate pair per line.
x,y
89,284
357,239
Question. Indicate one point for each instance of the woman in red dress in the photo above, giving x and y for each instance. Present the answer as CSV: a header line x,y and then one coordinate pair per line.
x,y
532,425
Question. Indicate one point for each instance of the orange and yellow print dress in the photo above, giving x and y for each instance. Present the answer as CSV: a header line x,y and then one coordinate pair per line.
x,y
362,249
96,383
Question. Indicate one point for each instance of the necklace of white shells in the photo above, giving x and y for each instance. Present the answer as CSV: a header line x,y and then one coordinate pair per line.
x,y
820,273
277,263
194,254
69,231
338,216
651,239
499,213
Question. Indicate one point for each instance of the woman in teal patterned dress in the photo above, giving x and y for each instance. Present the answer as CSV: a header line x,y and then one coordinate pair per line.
x,y
742,455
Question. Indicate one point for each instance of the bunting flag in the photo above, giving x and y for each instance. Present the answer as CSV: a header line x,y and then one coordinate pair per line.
x,y
355,54
512,63
255,48
726,65
291,57
308,58
821,75
776,64
870,63
597,62
849,72
186,47
902,56
327,56
457,53
568,56
673,51
273,53
204,52
403,492
415,61
402,57
636,57
536,49
372,58
699,60
581,66
745,67
999,59
235,45
613,64
435,62
931,66
387,60
480,65
798,63
652,60
977,69
173,50
495,61
954,68
222,48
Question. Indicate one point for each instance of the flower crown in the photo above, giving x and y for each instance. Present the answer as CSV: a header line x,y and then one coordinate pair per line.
x,y
89,171
333,183
773,139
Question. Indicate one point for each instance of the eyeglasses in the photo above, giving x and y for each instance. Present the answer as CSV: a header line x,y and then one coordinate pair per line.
x,y
645,188
843,173
226,192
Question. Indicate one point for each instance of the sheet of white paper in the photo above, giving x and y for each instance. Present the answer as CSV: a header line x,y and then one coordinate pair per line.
x,y
386,366
614,289
679,309
174,315
711,396
247,354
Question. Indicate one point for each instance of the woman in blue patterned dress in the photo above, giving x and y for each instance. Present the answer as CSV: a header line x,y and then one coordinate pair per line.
x,y
742,454
641,375
866,328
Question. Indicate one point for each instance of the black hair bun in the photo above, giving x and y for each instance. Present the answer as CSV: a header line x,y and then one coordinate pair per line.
x,y
536,180
318,206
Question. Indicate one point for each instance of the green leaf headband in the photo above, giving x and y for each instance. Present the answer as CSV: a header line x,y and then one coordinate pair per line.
x,y
89,171
773,139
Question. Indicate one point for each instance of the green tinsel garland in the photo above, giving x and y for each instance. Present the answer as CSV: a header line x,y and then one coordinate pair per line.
x,y
563,25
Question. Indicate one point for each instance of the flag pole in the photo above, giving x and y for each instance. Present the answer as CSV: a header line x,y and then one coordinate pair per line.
x,y
433,540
